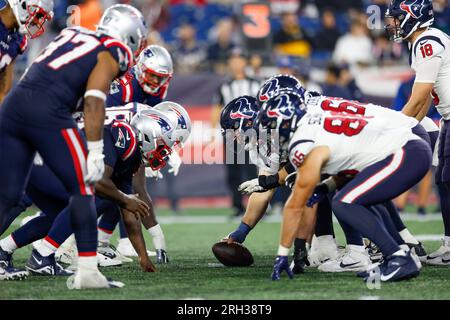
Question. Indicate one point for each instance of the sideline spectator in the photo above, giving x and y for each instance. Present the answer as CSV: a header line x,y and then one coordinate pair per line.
x,y
327,37
355,46
291,39
219,51
331,87
188,55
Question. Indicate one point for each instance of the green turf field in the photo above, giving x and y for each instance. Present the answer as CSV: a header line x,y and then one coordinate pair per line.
x,y
194,273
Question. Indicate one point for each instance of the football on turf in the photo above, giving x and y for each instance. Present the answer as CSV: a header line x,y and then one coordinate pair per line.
x,y
232,254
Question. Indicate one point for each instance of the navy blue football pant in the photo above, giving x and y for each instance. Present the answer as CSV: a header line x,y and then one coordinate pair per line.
x,y
390,212
442,175
64,151
377,184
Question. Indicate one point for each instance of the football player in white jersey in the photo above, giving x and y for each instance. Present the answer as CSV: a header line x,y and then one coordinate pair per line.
x,y
411,21
378,150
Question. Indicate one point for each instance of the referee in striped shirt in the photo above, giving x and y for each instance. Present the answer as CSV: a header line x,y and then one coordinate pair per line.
x,y
238,85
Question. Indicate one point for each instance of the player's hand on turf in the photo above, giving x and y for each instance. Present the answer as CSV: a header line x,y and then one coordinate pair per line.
x,y
161,256
135,205
319,193
95,163
147,265
250,186
281,264
174,163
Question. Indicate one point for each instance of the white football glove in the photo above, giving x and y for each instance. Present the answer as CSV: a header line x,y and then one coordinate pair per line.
x,y
150,173
95,164
38,161
250,186
174,163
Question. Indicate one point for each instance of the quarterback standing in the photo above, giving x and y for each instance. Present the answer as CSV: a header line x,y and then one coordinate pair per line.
x,y
411,21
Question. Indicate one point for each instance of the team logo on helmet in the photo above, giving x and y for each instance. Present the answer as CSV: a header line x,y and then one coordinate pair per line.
x,y
284,108
268,89
148,53
414,9
244,111
165,126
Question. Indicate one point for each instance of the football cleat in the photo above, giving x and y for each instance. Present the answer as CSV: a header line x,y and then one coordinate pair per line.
x,y
161,256
351,261
108,249
323,248
11,273
396,268
419,250
107,256
374,253
91,280
126,249
45,266
440,257
299,261
5,259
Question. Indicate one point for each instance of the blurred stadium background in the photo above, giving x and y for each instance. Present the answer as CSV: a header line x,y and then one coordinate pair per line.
x,y
335,46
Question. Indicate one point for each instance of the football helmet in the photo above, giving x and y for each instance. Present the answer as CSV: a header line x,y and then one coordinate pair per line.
x,y
237,118
153,130
127,24
281,115
406,16
31,15
272,86
154,69
180,120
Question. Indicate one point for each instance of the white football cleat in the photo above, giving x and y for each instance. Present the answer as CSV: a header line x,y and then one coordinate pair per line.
x,y
323,248
351,261
107,256
125,248
440,257
91,280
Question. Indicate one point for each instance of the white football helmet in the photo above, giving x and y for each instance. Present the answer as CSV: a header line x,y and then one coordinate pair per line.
x,y
154,69
31,15
125,23
179,118
153,129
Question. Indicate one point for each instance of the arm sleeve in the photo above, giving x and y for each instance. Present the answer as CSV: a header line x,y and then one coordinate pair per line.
x,y
427,71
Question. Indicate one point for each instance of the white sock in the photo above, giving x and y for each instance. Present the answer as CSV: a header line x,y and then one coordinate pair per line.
x,y
47,248
404,247
447,241
8,244
356,248
87,263
399,253
408,237
158,237
104,236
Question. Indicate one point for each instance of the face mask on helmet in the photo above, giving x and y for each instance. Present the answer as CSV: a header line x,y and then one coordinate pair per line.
x,y
150,80
157,158
393,28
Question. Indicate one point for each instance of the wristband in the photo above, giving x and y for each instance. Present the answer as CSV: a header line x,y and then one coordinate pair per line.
x,y
95,93
95,145
283,251
269,182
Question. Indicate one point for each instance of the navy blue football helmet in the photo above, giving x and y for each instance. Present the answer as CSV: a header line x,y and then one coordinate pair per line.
x,y
281,114
406,16
272,86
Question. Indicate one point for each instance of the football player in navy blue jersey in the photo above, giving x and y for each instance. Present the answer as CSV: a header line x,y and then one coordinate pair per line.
x,y
19,19
73,72
147,82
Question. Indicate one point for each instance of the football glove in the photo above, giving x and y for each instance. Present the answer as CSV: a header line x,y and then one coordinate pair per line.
x,y
161,256
281,264
150,173
289,181
174,163
319,193
260,184
95,164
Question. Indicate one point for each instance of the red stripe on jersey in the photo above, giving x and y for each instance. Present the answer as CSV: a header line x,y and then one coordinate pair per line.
x,y
133,142
87,254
